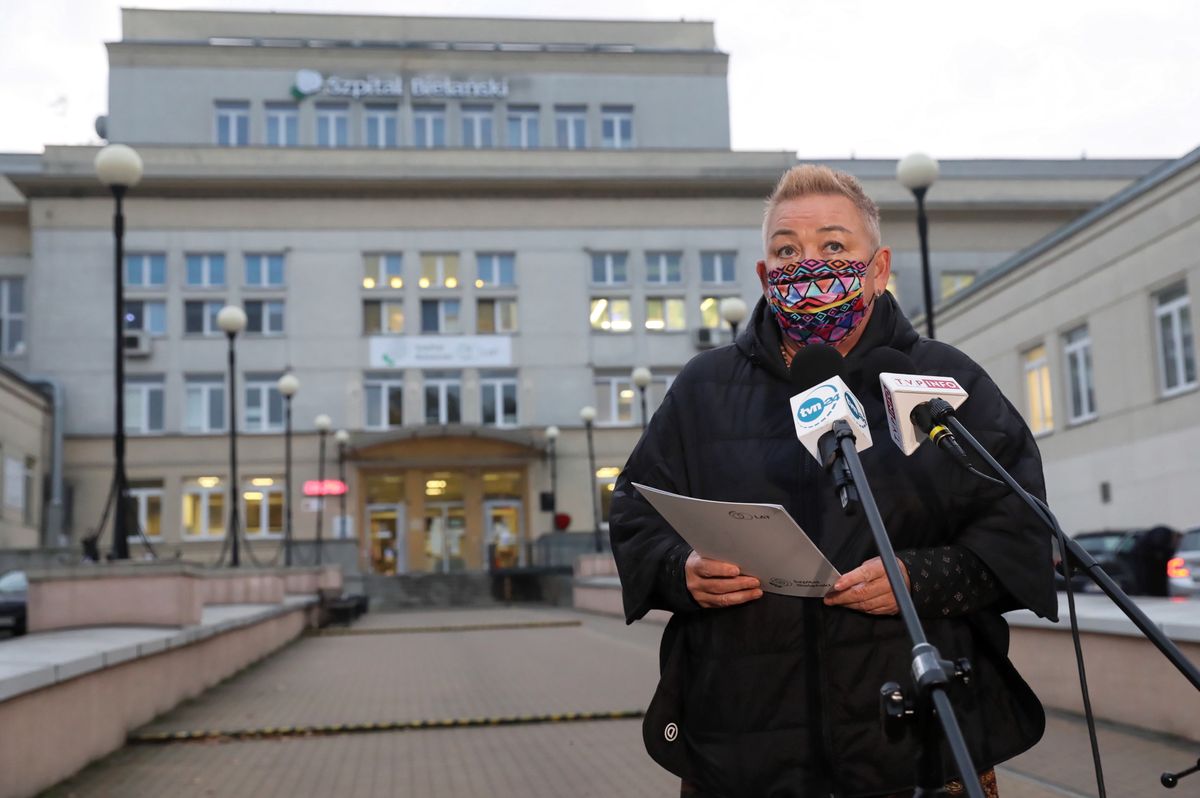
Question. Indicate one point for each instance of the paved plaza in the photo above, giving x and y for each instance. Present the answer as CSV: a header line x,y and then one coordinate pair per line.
x,y
456,668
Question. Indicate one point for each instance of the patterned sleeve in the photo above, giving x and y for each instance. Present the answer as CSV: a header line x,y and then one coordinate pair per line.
x,y
949,581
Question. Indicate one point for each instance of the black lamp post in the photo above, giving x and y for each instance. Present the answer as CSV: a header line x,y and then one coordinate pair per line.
x,y
641,378
323,424
733,311
232,320
588,416
120,168
552,444
917,172
288,386
342,437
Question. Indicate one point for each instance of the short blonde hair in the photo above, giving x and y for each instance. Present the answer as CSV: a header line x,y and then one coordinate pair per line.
x,y
808,179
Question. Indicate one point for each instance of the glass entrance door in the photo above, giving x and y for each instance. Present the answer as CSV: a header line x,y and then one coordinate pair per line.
x,y
445,526
502,524
386,538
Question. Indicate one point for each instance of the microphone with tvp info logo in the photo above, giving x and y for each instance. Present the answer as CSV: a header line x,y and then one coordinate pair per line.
x,y
824,401
915,403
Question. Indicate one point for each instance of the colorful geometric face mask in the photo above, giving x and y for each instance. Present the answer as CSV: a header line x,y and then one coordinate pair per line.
x,y
818,301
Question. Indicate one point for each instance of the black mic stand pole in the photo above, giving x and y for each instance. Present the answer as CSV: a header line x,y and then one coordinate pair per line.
x,y
944,414
931,674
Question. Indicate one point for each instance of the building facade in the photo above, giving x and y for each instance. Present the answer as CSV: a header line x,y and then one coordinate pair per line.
x,y
1091,332
455,233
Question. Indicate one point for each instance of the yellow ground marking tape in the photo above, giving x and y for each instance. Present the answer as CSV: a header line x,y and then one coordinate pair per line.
x,y
280,732
469,627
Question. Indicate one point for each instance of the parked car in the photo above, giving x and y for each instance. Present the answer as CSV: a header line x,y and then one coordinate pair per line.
x,y
1183,571
1113,549
13,590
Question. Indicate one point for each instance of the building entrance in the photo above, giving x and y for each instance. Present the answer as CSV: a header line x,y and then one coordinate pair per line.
x,y
445,528
386,538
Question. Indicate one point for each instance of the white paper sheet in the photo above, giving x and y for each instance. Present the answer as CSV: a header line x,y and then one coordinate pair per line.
x,y
761,539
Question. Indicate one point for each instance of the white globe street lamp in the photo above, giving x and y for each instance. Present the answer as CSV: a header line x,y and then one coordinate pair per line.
x,y
917,172
288,386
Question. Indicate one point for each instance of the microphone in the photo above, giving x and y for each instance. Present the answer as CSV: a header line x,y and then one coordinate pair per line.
x,y
817,372
823,411
914,402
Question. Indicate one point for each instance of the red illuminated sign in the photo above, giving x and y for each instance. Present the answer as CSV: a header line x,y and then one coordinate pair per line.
x,y
329,487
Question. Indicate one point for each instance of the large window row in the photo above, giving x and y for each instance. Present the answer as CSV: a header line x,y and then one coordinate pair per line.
x,y
263,316
385,270
148,270
493,316
206,403
1174,357
615,314
205,507
471,125
662,267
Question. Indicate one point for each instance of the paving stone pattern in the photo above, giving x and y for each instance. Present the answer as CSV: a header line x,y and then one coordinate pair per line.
x,y
600,665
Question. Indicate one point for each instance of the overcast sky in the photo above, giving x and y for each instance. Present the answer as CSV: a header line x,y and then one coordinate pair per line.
x,y
825,78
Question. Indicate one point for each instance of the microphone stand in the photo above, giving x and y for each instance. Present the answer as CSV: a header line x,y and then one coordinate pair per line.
x,y
943,413
931,674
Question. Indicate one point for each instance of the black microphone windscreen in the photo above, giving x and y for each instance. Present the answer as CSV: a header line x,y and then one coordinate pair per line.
x,y
882,360
814,364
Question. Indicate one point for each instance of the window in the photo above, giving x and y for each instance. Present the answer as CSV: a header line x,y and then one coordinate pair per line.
x,y
283,125
204,508
382,125
200,318
611,314
143,405
664,313
29,505
1176,347
148,497
146,270
333,125
477,122
262,498
233,124
205,270
1037,390
1077,350
663,267
710,313
264,406
264,270
717,268
499,399
383,317
148,315
440,316
614,400
570,126
496,270
953,282
608,268
523,127
496,316
264,317
383,270
616,127
429,126
438,270
442,398
205,410
384,403
12,315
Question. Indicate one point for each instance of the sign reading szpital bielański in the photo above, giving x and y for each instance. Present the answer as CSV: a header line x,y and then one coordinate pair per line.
x,y
309,82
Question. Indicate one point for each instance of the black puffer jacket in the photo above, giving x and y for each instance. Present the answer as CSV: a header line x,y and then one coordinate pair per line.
x,y
778,697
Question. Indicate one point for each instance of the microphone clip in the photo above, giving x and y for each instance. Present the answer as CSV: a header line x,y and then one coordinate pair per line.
x,y
833,462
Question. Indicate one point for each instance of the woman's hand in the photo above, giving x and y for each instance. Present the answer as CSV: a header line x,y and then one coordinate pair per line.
x,y
867,589
714,583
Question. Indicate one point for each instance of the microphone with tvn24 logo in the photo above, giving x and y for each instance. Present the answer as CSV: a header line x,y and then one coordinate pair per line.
x,y
823,400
